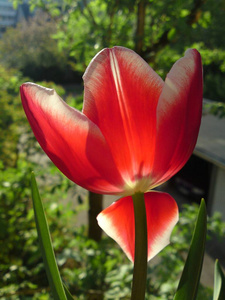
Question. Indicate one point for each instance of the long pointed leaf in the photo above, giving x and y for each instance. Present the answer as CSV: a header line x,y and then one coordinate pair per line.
x,y
188,285
68,295
54,278
219,283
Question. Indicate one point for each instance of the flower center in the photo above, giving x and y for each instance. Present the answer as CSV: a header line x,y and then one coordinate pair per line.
x,y
139,185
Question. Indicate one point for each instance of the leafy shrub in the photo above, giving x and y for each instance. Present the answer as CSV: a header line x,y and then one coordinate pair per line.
x,y
11,114
87,267
21,266
31,49
14,127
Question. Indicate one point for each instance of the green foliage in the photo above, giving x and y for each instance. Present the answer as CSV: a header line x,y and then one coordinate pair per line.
x,y
219,282
81,29
21,264
101,24
87,267
45,243
14,130
159,33
174,256
189,281
22,271
215,108
103,266
19,257
31,49
75,101
11,114
200,30
89,264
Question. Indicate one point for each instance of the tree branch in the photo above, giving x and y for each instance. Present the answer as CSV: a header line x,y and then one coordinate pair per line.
x,y
193,17
140,26
195,13
91,16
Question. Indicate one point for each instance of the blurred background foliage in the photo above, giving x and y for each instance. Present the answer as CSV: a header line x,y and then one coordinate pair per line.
x,y
88,268
53,48
160,31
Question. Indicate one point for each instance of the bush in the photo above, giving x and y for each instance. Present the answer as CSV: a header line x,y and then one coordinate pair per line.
x,y
22,270
11,114
31,49
87,267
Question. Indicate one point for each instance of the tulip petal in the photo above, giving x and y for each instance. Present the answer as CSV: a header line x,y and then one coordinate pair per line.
x,y
121,96
118,222
178,116
73,142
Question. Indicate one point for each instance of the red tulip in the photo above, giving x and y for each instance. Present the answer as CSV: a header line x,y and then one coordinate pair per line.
x,y
134,133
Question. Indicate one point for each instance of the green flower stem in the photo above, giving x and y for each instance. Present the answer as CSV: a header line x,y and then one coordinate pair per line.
x,y
141,248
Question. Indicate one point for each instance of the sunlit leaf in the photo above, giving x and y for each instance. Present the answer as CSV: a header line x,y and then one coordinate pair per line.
x,y
188,285
68,295
54,278
219,283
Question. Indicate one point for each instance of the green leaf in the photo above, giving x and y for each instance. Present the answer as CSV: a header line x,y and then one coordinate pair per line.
x,y
171,34
188,285
54,278
219,283
68,295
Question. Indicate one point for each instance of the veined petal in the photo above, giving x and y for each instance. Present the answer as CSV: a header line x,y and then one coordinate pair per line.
x,y
73,142
178,116
118,222
121,96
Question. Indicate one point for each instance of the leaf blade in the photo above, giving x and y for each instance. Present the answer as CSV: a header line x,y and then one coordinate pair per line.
x,y
67,292
188,285
219,283
51,267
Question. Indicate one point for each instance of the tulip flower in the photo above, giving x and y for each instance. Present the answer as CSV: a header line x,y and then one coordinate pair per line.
x,y
134,133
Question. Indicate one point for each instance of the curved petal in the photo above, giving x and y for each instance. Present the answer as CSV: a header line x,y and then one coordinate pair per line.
x,y
118,222
73,142
178,116
121,96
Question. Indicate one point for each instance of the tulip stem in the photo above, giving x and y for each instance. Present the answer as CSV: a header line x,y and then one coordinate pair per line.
x,y
141,248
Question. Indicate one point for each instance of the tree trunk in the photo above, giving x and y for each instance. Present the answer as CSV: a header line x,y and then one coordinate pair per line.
x,y
140,33
95,207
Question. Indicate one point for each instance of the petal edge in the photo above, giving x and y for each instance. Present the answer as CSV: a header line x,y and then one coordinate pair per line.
x,y
118,222
71,140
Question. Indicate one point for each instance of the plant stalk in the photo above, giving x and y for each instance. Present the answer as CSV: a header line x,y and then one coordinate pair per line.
x,y
141,248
